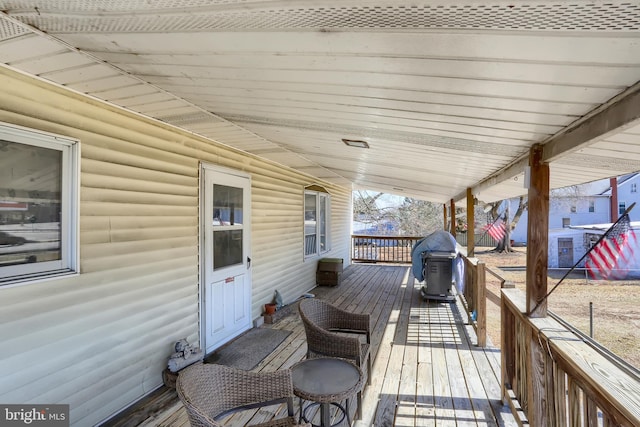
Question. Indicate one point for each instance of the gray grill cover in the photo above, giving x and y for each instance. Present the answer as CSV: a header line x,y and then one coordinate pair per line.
x,y
438,241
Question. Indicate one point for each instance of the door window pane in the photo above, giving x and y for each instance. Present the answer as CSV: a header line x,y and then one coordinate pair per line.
x,y
227,205
227,222
227,248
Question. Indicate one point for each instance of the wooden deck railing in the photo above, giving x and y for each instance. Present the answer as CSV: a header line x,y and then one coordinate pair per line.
x,y
555,378
392,249
474,295
395,249
550,375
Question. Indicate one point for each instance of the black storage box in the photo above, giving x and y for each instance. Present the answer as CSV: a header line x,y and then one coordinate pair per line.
x,y
329,272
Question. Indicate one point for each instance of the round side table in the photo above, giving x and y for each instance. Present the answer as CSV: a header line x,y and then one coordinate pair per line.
x,y
326,381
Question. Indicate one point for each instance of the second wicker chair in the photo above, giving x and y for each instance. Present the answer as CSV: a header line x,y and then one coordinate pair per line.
x,y
327,328
210,392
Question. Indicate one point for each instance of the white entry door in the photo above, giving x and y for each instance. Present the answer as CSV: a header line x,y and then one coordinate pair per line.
x,y
225,255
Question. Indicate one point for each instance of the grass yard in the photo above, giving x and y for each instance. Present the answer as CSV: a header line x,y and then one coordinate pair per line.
x,y
616,304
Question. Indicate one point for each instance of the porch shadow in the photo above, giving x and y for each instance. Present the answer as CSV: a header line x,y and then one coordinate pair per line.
x,y
426,366
435,410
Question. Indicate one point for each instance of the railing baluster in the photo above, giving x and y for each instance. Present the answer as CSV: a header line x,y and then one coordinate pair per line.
x,y
560,396
550,418
575,420
590,412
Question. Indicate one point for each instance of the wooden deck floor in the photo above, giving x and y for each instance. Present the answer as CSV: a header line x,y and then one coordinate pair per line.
x,y
427,370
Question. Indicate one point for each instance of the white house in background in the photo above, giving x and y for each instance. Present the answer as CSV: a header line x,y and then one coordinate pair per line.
x,y
568,246
591,203
627,194
578,216
565,212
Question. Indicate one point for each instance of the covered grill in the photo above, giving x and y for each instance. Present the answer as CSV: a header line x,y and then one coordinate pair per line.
x,y
435,261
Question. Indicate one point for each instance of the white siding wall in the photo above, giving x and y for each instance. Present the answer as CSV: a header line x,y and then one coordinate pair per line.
x,y
99,341
578,245
562,209
625,194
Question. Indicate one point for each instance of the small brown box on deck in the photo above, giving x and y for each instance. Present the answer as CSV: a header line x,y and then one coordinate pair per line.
x,y
329,272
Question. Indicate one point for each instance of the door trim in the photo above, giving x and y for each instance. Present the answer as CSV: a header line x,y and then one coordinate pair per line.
x,y
201,242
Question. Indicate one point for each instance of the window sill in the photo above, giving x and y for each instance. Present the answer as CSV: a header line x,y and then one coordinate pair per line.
x,y
11,282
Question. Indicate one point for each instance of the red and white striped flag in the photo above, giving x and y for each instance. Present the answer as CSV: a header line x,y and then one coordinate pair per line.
x,y
609,257
497,230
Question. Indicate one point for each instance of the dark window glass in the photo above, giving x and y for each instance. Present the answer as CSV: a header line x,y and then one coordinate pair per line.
x,y
30,204
227,248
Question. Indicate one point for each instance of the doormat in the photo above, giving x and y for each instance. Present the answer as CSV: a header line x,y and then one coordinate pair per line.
x,y
249,349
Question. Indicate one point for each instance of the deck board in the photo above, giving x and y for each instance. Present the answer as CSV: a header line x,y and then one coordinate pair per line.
x,y
443,399
427,370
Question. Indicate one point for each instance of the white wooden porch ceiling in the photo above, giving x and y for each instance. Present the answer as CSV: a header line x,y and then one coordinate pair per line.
x,y
448,94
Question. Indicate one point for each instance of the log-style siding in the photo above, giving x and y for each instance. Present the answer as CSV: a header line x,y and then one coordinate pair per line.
x,y
100,340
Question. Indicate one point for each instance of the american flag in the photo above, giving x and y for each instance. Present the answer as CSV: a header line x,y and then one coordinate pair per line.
x,y
497,230
609,257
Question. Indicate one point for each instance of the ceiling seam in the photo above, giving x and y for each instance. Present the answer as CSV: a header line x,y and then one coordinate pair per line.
x,y
40,33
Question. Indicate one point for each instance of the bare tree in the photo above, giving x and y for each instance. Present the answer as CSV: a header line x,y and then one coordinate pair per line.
x,y
566,197
504,245
523,204
418,217
365,208
412,217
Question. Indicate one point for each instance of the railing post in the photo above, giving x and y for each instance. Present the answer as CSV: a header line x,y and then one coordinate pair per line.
x,y
444,214
471,244
507,352
469,284
481,304
452,214
537,233
536,282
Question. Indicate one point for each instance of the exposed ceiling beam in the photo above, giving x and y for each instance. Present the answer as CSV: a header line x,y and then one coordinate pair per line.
x,y
508,172
619,113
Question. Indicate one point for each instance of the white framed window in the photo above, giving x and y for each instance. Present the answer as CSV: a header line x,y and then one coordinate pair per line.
x,y
317,213
634,187
622,206
592,206
38,205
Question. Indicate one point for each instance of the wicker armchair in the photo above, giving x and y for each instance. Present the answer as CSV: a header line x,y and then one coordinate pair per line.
x,y
210,392
326,327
